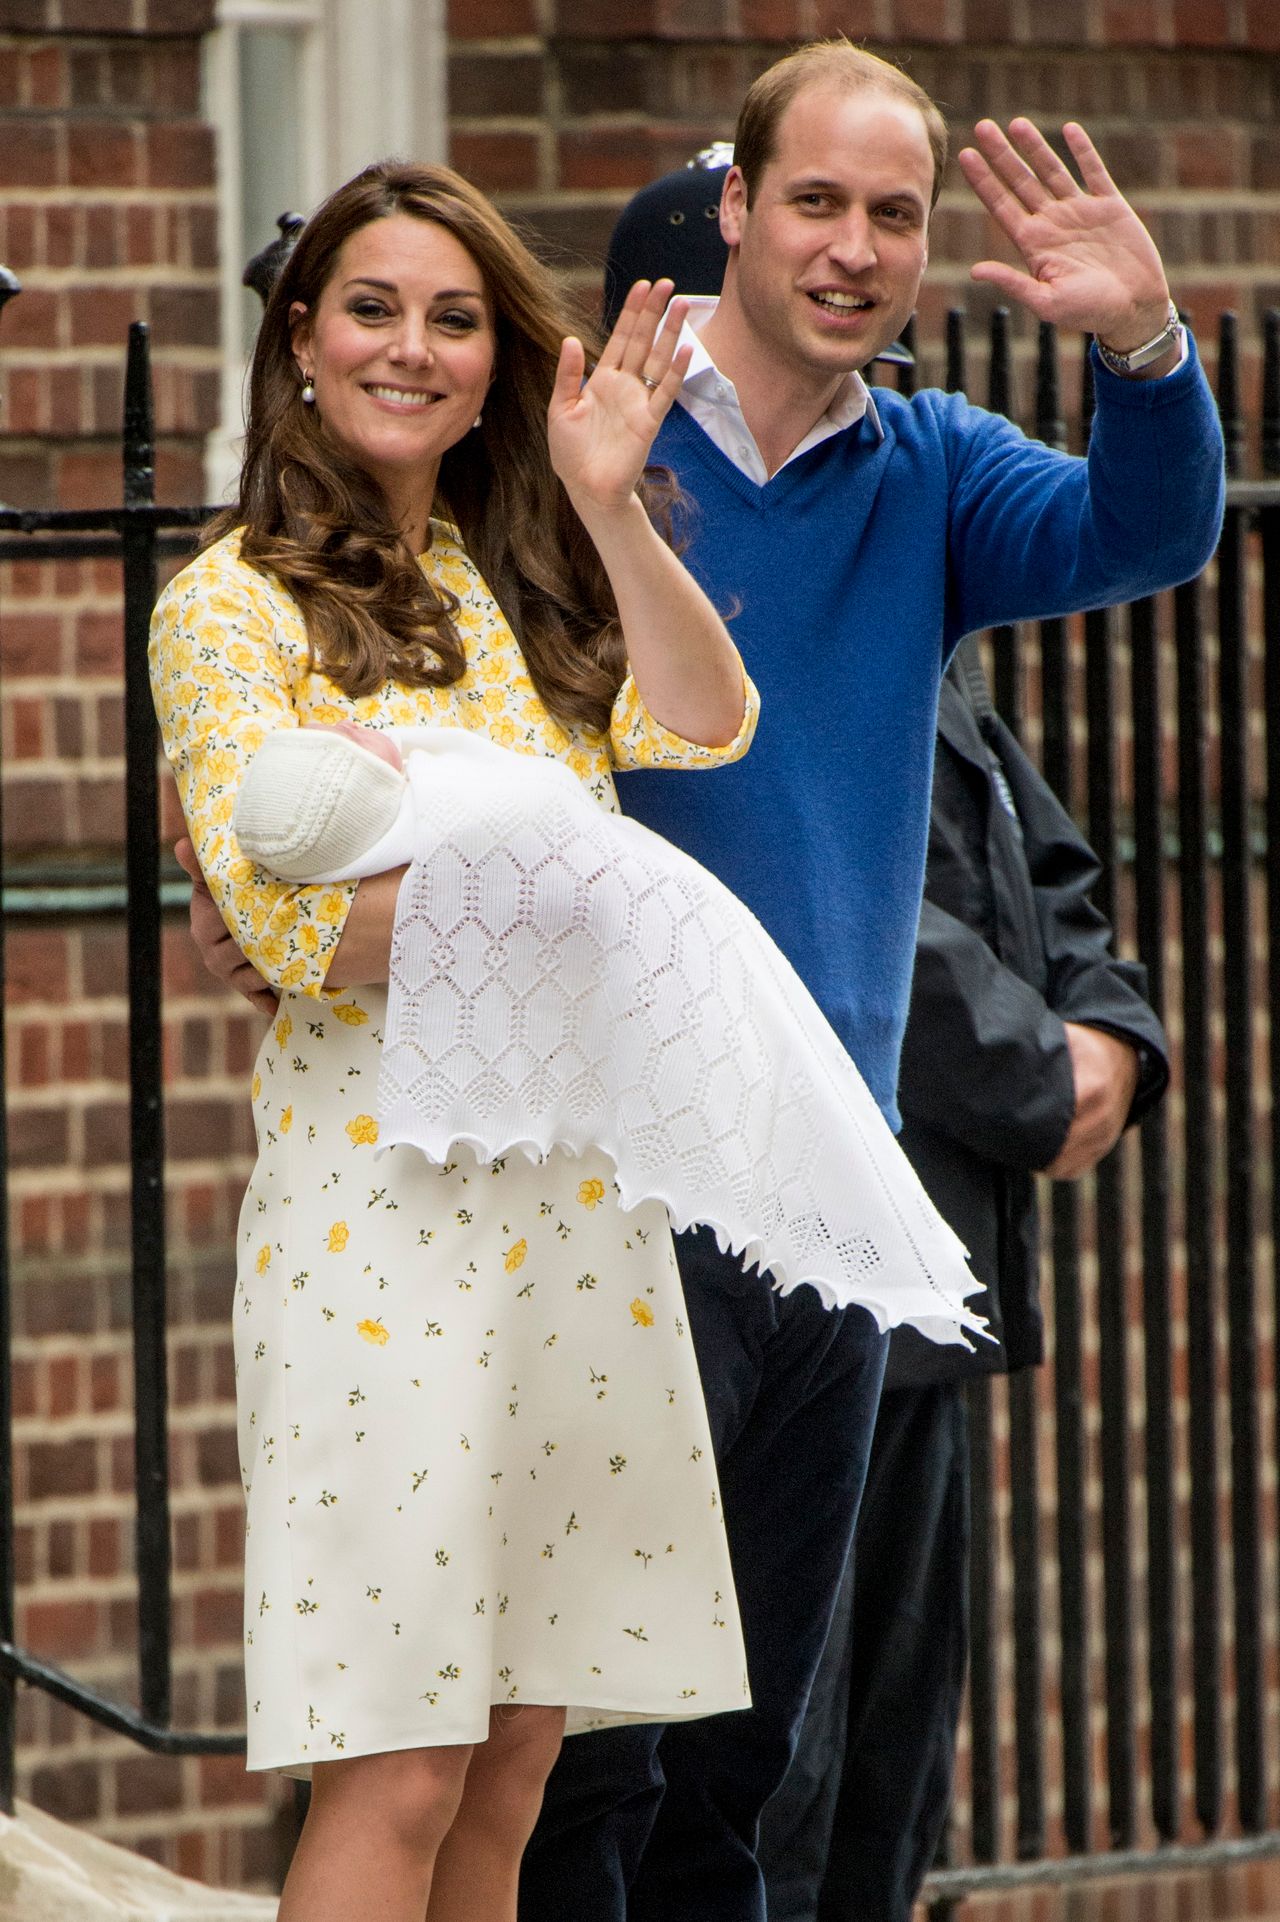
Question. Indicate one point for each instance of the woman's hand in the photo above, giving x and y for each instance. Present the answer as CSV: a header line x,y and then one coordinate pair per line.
x,y
600,433
217,949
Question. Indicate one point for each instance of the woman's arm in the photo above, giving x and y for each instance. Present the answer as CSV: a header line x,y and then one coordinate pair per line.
x,y
685,666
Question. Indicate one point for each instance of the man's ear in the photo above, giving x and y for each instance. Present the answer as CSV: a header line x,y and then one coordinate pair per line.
x,y
733,207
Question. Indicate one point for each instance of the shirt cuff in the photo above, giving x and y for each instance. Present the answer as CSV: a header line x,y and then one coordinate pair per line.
x,y
637,740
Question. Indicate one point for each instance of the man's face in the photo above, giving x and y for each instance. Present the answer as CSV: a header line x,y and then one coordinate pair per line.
x,y
831,250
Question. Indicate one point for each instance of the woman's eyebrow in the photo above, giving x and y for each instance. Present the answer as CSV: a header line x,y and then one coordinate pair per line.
x,y
390,287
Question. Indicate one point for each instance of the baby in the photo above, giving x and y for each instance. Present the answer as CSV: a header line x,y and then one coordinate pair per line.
x,y
562,977
326,804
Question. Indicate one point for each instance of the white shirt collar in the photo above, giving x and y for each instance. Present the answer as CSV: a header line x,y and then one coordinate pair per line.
x,y
711,399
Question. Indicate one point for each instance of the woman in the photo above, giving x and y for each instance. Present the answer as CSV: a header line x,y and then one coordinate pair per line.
x,y
478,1475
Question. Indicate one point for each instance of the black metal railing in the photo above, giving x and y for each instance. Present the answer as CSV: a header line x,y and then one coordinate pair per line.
x,y
1179,847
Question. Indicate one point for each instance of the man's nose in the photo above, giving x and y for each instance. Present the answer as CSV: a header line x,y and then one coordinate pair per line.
x,y
853,243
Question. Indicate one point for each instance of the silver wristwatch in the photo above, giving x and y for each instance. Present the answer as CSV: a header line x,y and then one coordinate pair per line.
x,y
1139,357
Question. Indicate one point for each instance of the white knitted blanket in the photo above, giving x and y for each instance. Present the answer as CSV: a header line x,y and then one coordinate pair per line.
x,y
563,977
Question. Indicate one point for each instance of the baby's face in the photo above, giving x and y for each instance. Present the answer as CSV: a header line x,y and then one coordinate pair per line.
x,y
368,737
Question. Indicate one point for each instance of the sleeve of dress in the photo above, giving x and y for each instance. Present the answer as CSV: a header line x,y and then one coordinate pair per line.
x,y
636,739
219,677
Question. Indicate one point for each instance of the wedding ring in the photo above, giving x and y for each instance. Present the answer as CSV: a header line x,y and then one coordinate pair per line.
x,y
650,384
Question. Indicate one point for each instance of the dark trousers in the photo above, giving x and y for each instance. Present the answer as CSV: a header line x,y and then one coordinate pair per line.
x,y
659,1824
855,1827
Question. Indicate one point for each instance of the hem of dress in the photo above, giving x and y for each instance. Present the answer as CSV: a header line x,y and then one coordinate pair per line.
x,y
600,1716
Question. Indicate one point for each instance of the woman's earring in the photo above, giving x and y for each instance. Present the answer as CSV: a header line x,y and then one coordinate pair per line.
x,y
476,422
308,390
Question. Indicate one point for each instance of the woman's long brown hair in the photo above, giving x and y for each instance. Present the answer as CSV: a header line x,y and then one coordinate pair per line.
x,y
314,519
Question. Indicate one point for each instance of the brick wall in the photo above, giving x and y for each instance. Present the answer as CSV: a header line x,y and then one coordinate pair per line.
x,y
561,107
108,214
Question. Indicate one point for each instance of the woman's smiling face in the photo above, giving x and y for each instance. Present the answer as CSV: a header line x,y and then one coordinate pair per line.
x,y
400,350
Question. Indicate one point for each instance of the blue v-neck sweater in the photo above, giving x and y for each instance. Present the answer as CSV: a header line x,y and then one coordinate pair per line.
x,y
853,572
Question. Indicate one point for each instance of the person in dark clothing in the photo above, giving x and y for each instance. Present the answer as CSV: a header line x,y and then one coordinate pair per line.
x,y
1029,1046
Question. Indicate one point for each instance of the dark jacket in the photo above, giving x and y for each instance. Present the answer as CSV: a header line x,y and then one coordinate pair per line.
x,y
1010,947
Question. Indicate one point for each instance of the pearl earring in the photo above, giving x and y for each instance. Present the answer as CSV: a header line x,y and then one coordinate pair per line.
x,y
476,422
308,390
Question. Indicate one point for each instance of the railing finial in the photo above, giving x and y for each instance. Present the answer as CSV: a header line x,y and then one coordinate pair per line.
x,y
262,272
139,426
1229,411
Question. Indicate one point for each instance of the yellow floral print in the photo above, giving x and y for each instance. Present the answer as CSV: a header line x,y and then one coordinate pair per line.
x,y
363,1130
515,1255
591,1193
284,1028
374,1332
347,1012
641,1313
230,662
264,1258
339,1235
286,1119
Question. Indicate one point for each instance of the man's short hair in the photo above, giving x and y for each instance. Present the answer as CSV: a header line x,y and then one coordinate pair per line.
x,y
838,63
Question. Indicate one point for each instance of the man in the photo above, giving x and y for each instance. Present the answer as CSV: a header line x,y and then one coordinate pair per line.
x,y
858,544
1028,1047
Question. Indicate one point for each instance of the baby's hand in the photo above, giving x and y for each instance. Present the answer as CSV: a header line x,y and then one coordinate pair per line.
x,y
371,737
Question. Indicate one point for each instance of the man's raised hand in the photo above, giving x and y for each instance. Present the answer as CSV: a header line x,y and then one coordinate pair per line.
x,y
1089,261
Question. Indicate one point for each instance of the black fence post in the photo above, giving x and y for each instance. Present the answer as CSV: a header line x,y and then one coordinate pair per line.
x,y
9,286
146,1112
1242,1342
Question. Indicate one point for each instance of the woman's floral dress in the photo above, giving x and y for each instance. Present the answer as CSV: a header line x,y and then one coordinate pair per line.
x,y
472,1435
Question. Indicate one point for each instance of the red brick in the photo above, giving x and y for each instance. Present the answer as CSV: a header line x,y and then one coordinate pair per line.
x,y
63,1385
101,238
66,395
496,161
47,77
25,1377
145,1784
1136,22
104,1558
1262,25
857,18
38,1136
105,1378
1208,158
62,1468
187,17
11,78
185,316
77,1218
22,237
100,316
33,1057
31,318
28,153
69,1791
493,19
35,966
61,1556
224,1779
101,153
61,236
924,20
89,477
1200,23
219,1617
35,813
97,16
100,642
179,155
774,19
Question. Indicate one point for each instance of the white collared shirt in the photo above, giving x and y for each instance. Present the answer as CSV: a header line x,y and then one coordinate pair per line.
x,y
712,400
